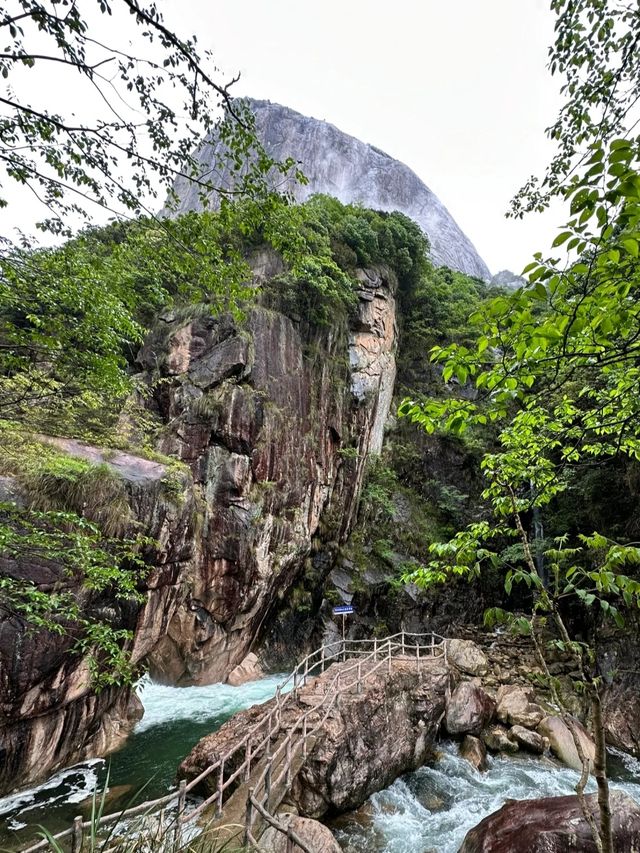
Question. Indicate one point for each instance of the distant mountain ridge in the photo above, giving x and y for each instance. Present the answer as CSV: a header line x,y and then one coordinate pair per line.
x,y
340,165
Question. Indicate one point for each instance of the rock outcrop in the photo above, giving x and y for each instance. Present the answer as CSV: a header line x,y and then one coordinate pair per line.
x,y
259,426
49,714
339,165
368,739
553,825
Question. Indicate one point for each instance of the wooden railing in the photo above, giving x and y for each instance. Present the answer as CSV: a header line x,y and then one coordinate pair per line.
x,y
368,656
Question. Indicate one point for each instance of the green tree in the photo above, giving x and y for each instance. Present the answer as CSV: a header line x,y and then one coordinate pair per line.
x,y
155,104
556,367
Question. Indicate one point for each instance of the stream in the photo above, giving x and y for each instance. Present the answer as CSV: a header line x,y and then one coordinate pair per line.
x,y
428,811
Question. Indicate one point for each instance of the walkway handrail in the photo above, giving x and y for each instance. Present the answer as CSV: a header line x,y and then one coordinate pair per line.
x,y
259,737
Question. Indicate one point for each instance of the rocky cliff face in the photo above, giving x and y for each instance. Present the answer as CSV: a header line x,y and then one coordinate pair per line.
x,y
263,418
339,165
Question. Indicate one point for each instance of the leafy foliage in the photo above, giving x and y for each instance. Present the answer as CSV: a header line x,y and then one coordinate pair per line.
x,y
154,108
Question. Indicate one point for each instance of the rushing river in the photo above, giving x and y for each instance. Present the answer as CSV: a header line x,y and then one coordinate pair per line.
x,y
175,718
429,810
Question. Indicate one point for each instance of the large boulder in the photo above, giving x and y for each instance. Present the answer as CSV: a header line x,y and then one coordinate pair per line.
x,y
562,742
517,708
553,825
467,656
314,834
469,709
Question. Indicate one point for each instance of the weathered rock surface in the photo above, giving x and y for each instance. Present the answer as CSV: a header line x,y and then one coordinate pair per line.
x,y
496,738
49,715
469,709
474,751
621,710
562,743
248,670
339,165
517,708
467,656
368,738
313,833
553,825
260,429
531,741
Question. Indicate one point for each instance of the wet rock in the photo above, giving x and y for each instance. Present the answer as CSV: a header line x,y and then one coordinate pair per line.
x,y
248,670
467,656
315,835
469,709
531,741
496,738
553,825
473,750
621,711
562,743
517,708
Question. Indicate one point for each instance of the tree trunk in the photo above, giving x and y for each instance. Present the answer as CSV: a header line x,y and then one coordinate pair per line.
x,y
600,772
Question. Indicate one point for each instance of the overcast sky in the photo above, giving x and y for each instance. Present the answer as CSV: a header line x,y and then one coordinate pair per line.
x,y
456,89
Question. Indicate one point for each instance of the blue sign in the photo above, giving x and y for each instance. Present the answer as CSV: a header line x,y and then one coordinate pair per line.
x,y
343,609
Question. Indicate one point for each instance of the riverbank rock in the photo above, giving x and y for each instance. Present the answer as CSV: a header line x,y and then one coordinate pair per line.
x,y
553,825
621,711
467,656
496,738
517,708
315,835
531,741
562,743
473,750
469,709
248,670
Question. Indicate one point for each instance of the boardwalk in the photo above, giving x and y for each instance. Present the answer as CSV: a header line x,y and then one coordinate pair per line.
x,y
248,783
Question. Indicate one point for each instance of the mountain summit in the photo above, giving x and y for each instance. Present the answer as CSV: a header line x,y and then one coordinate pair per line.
x,y
340,165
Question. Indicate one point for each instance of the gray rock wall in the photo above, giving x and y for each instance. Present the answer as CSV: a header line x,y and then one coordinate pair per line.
x,y
340,165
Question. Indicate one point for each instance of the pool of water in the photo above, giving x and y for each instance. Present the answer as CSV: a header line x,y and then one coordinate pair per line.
x,y
175,719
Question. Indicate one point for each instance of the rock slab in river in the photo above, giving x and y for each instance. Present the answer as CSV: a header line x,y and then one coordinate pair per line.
x,y
553,825
342,166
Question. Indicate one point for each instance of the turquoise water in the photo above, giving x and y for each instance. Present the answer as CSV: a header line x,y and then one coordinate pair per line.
x,y
175,719
428,811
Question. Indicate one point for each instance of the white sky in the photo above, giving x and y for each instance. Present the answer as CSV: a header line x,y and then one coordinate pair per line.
x,y
456,89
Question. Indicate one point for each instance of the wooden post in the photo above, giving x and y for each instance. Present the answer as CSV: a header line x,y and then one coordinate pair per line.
x,y
304,737
322,661
359,685
278,705
288,761
76,835
220,788
375,649
247,758
402,644
182,799
389,656
267,784
248,819
433,646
